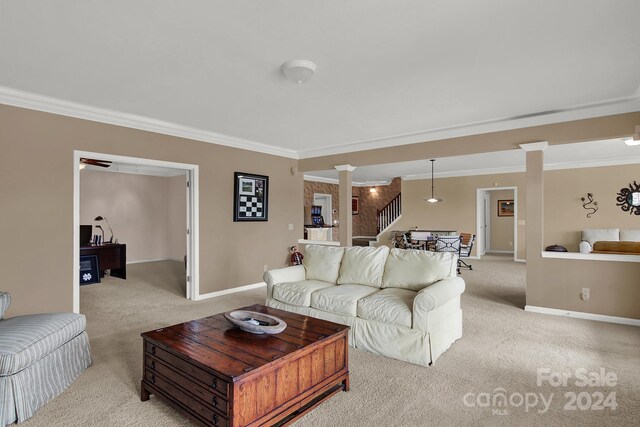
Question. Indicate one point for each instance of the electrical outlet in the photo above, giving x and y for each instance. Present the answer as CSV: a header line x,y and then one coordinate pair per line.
x,y
290,227
266,267
510,244
586,294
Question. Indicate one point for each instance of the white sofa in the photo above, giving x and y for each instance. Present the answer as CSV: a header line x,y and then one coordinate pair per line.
x,y
593,235
612,240
402,303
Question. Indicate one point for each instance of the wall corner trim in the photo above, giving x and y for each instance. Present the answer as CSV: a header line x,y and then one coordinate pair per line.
x,y
229,291
535,146
582,315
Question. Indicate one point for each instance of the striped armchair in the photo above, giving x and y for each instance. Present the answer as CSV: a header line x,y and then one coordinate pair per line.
x,y
40,356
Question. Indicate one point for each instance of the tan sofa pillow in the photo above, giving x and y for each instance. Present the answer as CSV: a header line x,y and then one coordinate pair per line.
x,y
416,269
322,262
363,266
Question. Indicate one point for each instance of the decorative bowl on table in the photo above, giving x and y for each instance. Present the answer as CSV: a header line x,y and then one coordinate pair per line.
x,y
256,323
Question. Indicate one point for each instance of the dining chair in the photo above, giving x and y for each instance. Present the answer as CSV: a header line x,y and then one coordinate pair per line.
x,y
466,246
449,244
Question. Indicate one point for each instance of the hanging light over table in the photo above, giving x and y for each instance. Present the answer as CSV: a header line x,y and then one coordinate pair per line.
x,y
433,197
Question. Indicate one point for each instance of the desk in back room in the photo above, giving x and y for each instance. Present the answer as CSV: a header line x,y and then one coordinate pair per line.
x,y
110,257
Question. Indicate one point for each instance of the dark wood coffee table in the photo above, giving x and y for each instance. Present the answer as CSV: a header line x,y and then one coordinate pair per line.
x,y
218,375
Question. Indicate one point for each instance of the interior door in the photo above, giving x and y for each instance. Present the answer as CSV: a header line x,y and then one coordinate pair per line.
x,y
486,224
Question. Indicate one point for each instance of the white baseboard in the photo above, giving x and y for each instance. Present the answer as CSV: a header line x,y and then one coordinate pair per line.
x,y
582,315
148,260
229,291
520,260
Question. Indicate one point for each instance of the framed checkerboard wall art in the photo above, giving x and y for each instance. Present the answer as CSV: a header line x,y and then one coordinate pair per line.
x,y
250,197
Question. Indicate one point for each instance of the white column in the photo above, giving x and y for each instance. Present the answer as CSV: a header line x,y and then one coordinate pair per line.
x,y
534,217
345,194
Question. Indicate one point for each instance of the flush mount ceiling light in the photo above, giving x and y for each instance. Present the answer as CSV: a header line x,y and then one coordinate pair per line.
x,y
433,198
299,70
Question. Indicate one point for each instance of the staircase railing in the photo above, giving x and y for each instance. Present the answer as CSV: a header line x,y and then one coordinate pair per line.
x,y
389,213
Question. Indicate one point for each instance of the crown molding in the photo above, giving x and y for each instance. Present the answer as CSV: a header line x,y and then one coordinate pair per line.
x,y
28,100
620,161
535,146
470,172
322,179
607,108
31,101
341,168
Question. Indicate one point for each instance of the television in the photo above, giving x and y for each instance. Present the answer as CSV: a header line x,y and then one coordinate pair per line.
x,y
85,235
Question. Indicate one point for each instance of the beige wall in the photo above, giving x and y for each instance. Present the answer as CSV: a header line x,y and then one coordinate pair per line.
x,y
614,287
458,210
147,213
557,283
564,215
501,228
37,207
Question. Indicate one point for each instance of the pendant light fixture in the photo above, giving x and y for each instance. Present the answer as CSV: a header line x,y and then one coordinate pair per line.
x,y
433,198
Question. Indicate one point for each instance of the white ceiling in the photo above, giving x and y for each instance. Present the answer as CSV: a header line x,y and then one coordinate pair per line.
x,y
388,72
565,156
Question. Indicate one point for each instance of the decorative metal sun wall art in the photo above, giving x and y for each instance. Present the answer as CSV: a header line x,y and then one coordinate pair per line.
x,y
629,199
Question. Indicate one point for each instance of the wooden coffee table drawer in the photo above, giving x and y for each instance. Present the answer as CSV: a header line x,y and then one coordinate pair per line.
x,y
210,398
206,378
218,375
185,399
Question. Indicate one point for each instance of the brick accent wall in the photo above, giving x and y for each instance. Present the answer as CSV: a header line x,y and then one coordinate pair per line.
x,y
364,224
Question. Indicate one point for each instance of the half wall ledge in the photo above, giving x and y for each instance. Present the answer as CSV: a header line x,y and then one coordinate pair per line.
x,y
591,256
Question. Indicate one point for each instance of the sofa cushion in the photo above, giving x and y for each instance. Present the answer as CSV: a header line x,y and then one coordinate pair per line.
x,y
5,301
341,299
322,262
298,293
390,305
593,235
416,269
363,265
630,235
26,339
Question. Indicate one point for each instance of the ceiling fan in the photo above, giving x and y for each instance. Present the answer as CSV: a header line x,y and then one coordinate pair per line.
x,y
102,163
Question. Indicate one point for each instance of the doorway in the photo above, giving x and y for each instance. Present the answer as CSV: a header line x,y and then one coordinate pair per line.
x,y
326,201
190,174
497,221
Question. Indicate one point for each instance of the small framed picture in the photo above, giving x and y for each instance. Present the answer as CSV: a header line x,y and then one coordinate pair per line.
x,y
355,205
250,197
89,270
505,207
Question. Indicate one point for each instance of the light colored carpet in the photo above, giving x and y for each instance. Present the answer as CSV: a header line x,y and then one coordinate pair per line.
x,y
502,347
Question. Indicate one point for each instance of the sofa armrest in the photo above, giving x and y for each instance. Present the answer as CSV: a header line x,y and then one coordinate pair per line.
x,y
294,273
5,301
433,297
